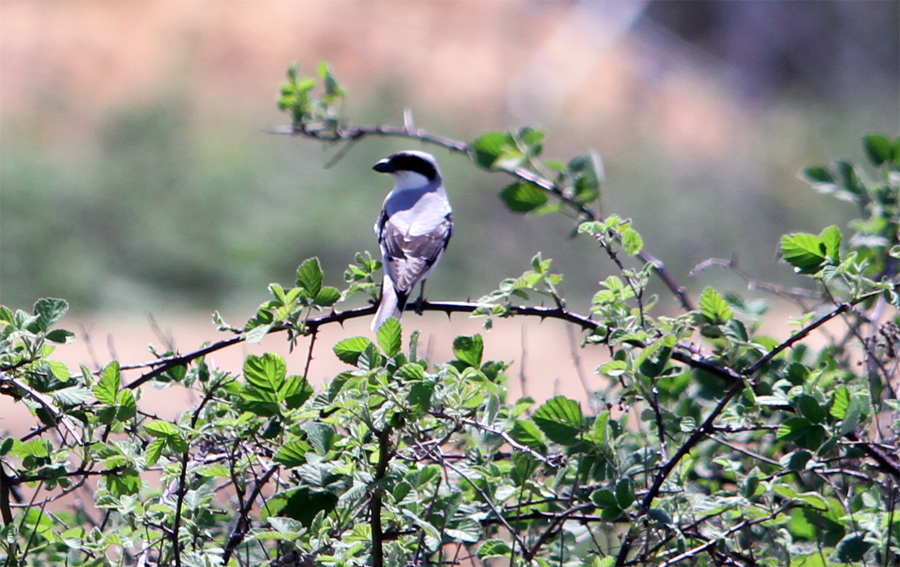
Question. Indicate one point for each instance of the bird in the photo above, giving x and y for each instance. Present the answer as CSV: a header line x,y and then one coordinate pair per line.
x,y
414,227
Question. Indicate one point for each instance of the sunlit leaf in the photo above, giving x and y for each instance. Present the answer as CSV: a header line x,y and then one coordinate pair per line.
x,y
493,548
292,454
713,308
560,419
469,349
348,350
265,373
390,337
521,197
105,390
309,277
806,252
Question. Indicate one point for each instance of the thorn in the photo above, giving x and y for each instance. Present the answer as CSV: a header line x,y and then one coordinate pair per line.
x,y
408,119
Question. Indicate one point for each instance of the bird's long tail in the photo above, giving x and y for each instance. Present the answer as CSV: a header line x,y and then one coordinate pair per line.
x,y
391,305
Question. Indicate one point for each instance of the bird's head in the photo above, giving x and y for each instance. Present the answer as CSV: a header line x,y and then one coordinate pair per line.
x,y
409,169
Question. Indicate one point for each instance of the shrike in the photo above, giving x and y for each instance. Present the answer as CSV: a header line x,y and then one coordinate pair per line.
x,y
413,230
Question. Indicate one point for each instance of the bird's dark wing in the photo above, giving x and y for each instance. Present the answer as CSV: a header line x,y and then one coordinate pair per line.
x,y
408,258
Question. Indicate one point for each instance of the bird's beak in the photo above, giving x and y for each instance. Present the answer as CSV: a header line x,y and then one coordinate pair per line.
x,y
384,166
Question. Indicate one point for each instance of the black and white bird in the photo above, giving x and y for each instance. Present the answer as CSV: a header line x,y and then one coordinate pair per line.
x,y
413,230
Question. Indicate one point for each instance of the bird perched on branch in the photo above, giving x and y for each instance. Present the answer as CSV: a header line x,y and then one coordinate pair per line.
x,y
413,230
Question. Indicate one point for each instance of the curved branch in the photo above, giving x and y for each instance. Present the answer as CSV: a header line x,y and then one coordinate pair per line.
x,y
355,133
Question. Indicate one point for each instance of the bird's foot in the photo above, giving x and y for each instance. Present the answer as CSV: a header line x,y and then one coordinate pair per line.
x,y
419,304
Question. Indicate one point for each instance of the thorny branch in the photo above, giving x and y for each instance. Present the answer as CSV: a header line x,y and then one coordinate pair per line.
x,y
355,133
684,354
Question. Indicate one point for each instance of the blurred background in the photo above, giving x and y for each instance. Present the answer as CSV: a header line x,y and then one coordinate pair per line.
x,y
137,176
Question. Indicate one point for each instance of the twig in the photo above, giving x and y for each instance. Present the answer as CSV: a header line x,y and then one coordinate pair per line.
x,y
241,525
557,519
669,465
384,439
804,332
713,541
795,294
503,435
487,500
182,480
58,416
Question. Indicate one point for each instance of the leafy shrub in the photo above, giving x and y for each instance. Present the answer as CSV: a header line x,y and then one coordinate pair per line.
x,y
716,445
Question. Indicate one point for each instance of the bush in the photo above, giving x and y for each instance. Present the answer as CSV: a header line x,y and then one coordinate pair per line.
x,y
717,444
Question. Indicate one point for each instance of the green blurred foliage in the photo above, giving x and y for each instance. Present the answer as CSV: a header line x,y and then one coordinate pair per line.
x,y
165,208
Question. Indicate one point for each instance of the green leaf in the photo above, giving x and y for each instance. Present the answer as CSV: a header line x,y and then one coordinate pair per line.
x,y
714,308
848,178
390,337
303,504
257,334
127,406
348,350
122,483
810,409
410,371
327,296
802,432
840,402
265,373
61,336
295,391
292,454
604,498
587,171
369,358
431,532
625,493
878,149
154,451
598,432
632,242
853,548
160,428
420,395
177,443
560,419
818,175
321,436
493,548
309,277
806,252
105,390
49,310
527,433
469,350
332,88
488,148
71,396
59,370
521,197
831,237
851,417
